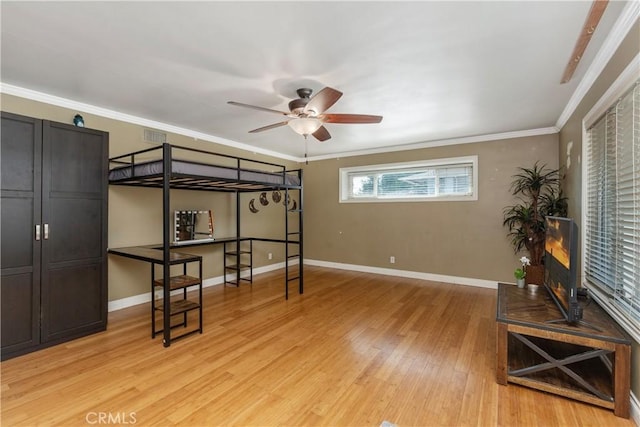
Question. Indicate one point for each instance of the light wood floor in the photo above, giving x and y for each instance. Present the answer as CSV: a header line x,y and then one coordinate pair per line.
x,y
355,350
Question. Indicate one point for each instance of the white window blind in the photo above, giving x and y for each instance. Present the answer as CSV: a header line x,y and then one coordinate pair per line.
x,y
450,179
612,234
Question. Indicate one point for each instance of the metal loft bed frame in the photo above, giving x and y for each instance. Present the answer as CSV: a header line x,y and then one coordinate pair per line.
x,y
161,167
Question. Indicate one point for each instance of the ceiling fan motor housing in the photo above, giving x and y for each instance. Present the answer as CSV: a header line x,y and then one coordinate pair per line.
x,y
304,92
297,105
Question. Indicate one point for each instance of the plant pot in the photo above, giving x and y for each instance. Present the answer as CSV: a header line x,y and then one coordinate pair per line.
x,y
520,283
535,274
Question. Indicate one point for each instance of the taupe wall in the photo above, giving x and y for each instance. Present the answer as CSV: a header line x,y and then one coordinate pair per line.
x,y
462,239
135,214
571,136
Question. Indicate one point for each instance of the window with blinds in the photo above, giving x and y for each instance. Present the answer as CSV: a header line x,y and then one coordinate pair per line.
x,y
612,216
442,179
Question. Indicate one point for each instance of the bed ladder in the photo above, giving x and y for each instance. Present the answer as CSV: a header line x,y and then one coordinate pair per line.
x,y
294,240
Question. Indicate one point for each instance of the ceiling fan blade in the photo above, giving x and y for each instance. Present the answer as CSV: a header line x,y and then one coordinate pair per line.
x,y
273,126
322,134
322,100
589,27
595,13
350,118
255,107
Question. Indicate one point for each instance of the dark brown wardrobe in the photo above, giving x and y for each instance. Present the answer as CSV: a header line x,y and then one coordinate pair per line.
x,y
53,232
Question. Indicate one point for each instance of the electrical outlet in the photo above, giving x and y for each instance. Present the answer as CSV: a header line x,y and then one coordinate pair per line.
x,y
270,255
392,259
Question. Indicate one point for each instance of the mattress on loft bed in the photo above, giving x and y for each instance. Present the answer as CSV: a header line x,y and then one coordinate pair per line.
x,y
154,168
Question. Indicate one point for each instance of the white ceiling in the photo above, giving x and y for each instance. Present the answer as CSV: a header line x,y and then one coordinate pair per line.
x,y
434,70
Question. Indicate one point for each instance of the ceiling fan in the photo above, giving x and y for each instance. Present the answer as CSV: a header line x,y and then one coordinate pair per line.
x,y
307,114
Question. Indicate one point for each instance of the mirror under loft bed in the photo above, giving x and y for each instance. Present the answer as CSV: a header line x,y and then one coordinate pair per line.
x,y
192,226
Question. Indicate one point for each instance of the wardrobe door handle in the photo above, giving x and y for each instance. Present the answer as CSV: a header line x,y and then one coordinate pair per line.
x,y
46,232
37,232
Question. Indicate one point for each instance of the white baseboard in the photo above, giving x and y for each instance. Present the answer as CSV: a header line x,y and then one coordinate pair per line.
x,y
467,281
635,409
119,304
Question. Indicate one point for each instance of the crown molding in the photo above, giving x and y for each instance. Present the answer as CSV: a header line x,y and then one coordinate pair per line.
x,y
442,143
115,115
128,118
621,28
624,81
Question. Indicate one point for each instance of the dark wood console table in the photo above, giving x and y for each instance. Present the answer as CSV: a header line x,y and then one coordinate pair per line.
x,y
577,362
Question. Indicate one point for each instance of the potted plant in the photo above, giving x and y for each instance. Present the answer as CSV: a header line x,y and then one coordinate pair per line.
x,y
521,272
538,194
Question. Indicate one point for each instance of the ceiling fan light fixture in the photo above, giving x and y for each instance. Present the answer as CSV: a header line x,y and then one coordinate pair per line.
x,y
305,125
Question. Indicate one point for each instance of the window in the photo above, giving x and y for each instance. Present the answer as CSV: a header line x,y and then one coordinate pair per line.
x,y
612,214
442,179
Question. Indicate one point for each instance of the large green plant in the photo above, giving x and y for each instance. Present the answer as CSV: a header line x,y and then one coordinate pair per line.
x,y
537,190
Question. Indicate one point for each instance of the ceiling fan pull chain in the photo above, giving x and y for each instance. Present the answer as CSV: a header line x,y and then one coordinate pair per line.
x,y
306,148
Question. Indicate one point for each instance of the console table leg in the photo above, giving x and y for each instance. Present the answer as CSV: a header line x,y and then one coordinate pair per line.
x,y
501,353
622,380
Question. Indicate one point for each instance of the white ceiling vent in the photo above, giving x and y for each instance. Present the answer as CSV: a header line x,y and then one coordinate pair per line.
x,y
155,137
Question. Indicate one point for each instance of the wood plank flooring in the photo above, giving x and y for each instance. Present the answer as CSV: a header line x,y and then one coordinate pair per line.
x,y
355,350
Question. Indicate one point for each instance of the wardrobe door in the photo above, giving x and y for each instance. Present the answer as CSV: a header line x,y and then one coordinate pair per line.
x,y
20,151
74,249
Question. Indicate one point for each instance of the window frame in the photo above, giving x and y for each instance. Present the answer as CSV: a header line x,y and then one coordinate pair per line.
x,y
609,100
344,194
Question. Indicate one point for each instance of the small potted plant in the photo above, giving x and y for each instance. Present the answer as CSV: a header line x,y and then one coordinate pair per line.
x,y
521,272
